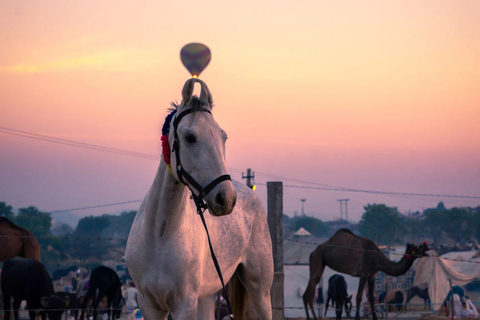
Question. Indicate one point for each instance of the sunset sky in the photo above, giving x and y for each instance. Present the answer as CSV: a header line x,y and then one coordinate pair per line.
x,y
370,95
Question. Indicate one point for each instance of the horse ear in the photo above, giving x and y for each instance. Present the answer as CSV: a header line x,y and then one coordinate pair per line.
x,y
205,94
187,91
44,302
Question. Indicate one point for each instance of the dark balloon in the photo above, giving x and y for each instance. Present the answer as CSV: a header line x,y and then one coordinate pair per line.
x,y
195,57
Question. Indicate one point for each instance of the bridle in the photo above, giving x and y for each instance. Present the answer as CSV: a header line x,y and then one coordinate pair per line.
x,y
198,192
201,192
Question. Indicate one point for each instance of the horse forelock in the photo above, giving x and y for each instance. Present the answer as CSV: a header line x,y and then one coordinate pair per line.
x,y
195,103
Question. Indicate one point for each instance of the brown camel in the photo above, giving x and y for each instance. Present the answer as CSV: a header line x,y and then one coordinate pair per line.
x,y
359,257
17,241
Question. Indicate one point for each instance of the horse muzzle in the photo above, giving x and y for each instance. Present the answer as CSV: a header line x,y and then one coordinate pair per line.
x,y
222,199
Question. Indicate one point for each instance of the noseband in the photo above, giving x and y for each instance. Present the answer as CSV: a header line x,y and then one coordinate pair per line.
x,y
193,185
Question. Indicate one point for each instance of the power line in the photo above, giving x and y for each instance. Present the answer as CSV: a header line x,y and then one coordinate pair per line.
x,y
380,192
73,143
325,187
96,206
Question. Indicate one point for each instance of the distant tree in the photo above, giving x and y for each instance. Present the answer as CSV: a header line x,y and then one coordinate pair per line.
x,y
87,237
414,232
6,210
460,226
380,223
441,206
62,230
36,221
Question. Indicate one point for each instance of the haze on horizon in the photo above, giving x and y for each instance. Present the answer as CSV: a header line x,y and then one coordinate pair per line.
x,y
368,95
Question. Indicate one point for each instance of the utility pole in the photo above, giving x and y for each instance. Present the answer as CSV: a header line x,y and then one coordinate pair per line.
x,y
343,203
303,206
250,179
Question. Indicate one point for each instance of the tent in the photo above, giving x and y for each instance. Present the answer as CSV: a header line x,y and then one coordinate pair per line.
x,y
435,272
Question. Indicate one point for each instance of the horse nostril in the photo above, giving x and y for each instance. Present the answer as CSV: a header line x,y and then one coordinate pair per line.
x,y
220,199
234,202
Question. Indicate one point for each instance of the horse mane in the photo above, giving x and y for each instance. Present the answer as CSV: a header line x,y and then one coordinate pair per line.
x,y
196,104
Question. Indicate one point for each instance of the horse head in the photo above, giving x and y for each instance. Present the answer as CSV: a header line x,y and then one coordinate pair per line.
x,y
54,306
198,151
348,305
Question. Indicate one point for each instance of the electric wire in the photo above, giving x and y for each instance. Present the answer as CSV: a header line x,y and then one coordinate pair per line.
x,y
324,187
410,194
73,143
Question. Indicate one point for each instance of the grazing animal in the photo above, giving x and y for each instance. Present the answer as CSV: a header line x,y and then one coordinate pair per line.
x,y
73,302
16,241
104,281
27,279
421,293
60,273
359,257
456,290
337,292
167,249
394,298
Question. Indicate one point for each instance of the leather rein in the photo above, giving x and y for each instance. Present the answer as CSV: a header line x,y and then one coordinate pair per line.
x,y
198,192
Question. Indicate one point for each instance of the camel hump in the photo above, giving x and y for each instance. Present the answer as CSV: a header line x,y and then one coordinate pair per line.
x,y
345,230
4,220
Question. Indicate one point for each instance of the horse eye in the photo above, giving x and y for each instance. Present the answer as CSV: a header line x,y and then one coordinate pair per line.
x,y
190,138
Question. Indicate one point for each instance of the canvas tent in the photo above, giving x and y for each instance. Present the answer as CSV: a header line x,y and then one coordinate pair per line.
x,y
435,271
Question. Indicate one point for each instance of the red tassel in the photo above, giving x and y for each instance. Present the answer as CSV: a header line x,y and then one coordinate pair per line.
x,y
165,148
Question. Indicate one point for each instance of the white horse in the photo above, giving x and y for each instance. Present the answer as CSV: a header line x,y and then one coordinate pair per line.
x,y
167,250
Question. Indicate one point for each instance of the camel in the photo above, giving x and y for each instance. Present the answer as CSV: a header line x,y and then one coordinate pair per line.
x,y
17,241
360,257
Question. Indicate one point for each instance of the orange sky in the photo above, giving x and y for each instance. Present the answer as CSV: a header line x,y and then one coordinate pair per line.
x,y
363,94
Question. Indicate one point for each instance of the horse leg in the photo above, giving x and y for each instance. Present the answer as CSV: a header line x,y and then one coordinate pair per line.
x,y
150,312
96,302
371,293
206,308
338,309
361,286
109,307
16,307
185,309
88,296
257,280
7,306
326,305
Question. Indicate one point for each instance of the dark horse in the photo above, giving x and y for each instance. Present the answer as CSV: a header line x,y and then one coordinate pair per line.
x,y
337,292
27,279
394,298
421,293
108,284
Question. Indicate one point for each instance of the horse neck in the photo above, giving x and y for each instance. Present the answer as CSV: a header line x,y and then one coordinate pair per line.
x,y
166,203
396,268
